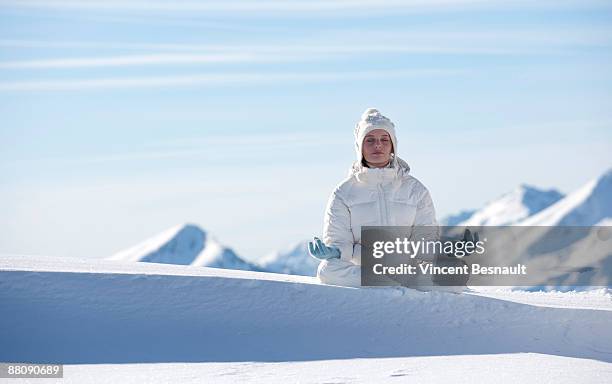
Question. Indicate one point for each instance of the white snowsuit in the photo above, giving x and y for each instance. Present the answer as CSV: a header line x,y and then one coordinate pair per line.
x,y
372,196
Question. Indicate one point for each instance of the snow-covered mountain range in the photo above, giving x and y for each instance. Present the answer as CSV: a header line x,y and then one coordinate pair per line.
x,y
185,244
582,255
293,260
528,205
455,219
524,206
511,208
587,206
188,244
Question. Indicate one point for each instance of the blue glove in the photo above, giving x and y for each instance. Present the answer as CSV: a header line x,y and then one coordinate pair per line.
x,y
321,251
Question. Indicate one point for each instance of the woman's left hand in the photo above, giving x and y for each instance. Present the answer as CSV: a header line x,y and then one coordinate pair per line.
x,y
321,251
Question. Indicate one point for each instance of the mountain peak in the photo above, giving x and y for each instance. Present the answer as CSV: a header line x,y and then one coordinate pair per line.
x,y
586,206
184,244
191,227
536,199
179,244
526,187
514,206
605,178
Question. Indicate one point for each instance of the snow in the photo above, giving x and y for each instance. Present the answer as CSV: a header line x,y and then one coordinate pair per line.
x,y
293,260
587,206
529,206
115,321
181,306
188,244
607,222
79,265
457,218
141,251
185,244
511,208
465,369
595,298
581,254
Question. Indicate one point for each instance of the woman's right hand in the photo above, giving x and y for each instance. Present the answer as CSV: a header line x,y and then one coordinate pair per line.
x,y
320,251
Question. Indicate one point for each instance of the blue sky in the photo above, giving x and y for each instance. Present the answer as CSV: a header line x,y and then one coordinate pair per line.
x,y
123,118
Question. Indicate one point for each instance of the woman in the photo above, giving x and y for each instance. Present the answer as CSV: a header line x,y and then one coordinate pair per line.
x,y
379,191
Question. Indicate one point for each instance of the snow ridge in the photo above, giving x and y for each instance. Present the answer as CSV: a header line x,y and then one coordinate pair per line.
x,y
587,206
80,313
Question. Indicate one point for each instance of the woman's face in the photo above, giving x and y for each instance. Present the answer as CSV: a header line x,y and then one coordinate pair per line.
x,y
377,148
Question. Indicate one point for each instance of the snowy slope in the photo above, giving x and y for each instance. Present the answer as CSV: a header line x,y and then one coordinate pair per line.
x,y
513,207
293,260
587,206
458,369
584,253
81,311
455,219
185,245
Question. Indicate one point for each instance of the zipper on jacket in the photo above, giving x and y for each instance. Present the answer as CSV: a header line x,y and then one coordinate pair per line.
x,y
382,206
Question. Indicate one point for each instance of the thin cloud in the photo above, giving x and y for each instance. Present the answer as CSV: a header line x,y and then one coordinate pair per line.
x,y
204,80
297,7
249,140
241,6
326,45
135,60
242,146
256,54
16,43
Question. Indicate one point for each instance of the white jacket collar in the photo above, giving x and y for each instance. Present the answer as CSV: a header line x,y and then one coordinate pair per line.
x,y
397,169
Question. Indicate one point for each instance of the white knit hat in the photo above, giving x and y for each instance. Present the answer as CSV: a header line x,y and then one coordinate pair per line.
x,y
370,120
